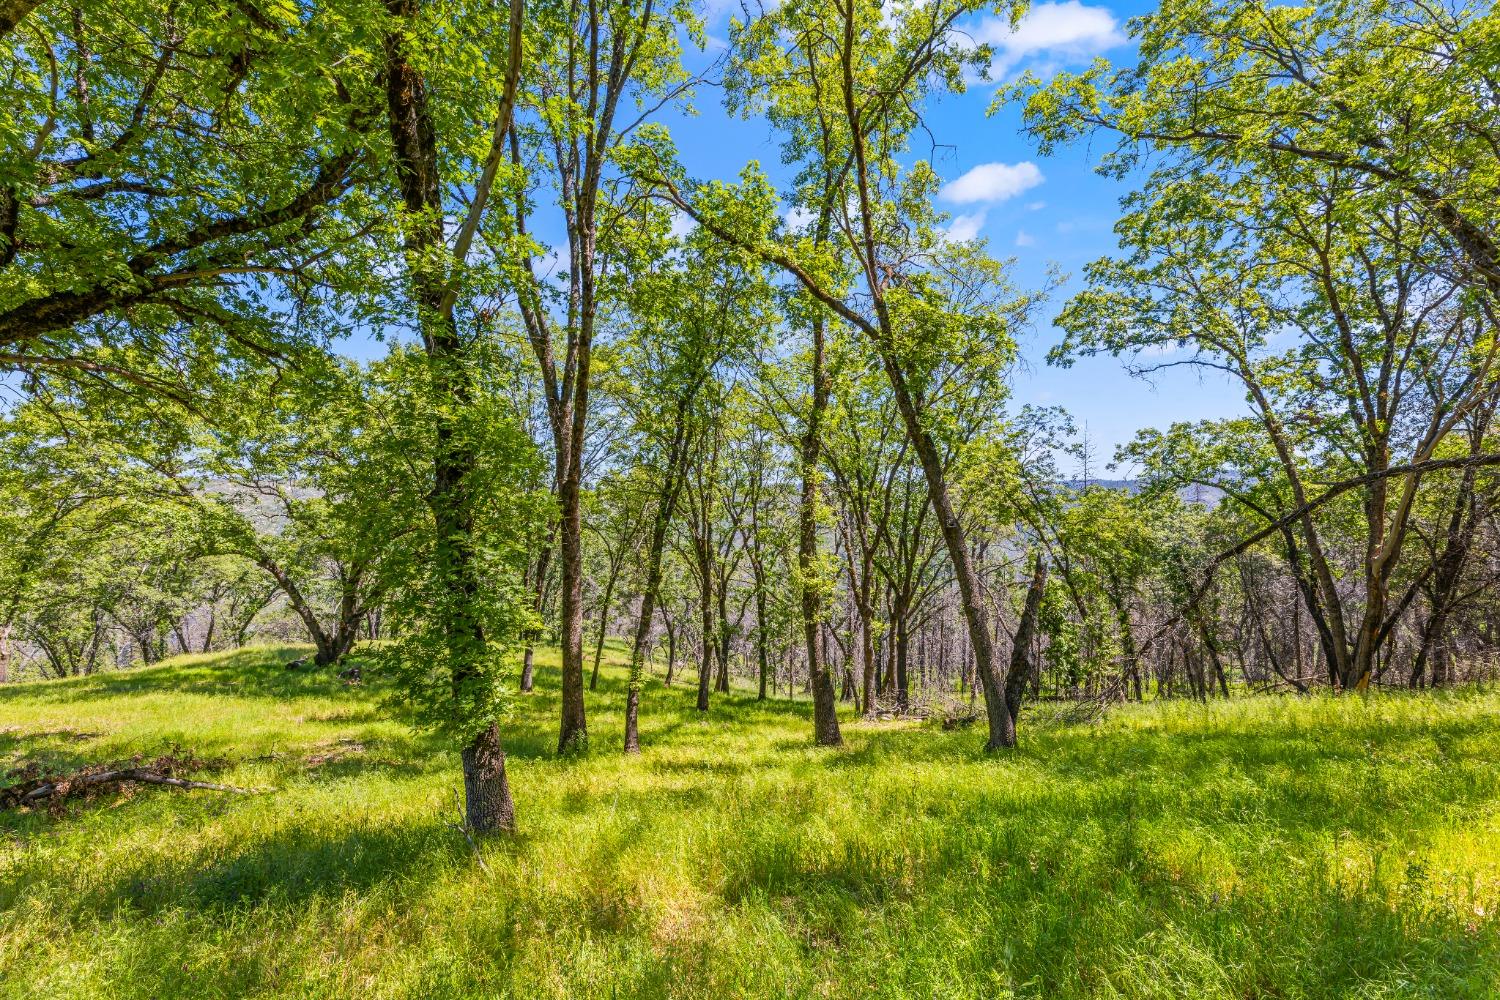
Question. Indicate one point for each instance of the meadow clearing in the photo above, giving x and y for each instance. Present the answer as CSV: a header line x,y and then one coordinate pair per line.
x,y
1279,847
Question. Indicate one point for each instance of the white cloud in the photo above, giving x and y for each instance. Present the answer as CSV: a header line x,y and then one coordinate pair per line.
x,y
797,218
1035,206
966,227
1058,32
992,182
1024,239
713,10
682,224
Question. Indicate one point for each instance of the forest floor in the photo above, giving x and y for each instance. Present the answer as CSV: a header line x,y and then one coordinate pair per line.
x,y
1266,847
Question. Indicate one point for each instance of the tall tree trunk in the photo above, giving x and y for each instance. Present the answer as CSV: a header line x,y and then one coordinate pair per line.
x,y
321,641
882,336
208,630
867,640
666,507
600,62
706,618
489,806
1002,729
573,730
1130,666
901,651
671,645
643,629
1449,569
528,668
487,801
825,707
761,658
722,634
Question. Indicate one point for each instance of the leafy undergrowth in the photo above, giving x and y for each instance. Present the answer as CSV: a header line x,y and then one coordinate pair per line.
x,y
1264,848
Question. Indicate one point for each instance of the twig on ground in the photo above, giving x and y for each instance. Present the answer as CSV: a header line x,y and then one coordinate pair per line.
x,y
462,827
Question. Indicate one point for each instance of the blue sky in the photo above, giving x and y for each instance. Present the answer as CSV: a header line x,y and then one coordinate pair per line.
x,y
1038,211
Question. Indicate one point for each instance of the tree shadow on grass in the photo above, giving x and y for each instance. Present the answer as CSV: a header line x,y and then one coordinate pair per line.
x,y
1069,929
289,868
1285,785
1069,874
253,671
405,758
51,751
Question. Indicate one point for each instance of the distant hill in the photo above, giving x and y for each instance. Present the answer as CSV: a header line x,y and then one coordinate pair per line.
x,y
1131,486
1209,496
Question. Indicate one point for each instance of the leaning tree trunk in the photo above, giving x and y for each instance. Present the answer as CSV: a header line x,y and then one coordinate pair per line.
x,y
664,510
208,630
1021,665
322,641
1002,728
1448,571
666,507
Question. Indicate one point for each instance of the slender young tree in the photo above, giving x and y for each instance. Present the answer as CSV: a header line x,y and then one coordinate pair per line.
x,y
696,312
852,74
594,65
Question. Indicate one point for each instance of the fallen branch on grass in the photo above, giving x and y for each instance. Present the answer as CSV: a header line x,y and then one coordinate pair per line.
x,y
141,774
34,788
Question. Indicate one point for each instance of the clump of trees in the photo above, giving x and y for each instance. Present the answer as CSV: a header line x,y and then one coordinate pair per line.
x,y
762,433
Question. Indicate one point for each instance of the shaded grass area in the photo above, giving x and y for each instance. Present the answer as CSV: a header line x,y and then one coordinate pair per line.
x,y
1263,848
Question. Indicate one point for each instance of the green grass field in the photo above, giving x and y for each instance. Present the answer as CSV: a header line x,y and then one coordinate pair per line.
x,y
1264,848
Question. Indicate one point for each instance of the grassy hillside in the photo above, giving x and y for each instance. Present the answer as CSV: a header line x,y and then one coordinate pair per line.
x,y
1286,848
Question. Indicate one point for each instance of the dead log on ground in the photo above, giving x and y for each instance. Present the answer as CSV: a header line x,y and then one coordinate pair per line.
x,y
31,788
143,775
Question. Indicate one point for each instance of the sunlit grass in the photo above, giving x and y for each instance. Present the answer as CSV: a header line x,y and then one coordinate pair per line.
x,y
1266,847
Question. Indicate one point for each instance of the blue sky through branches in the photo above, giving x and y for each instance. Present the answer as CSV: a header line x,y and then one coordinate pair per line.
x,y
1037,211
